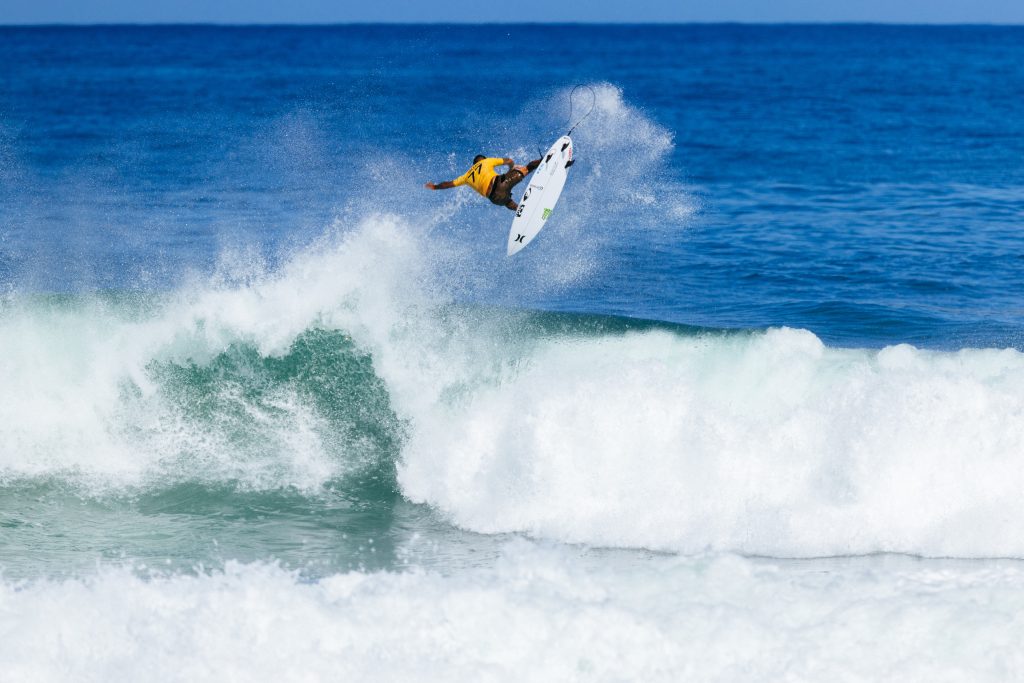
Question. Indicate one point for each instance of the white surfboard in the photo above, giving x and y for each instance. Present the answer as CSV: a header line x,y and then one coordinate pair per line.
x,y
541,194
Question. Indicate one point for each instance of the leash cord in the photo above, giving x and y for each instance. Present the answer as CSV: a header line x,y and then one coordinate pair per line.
x,y
593,103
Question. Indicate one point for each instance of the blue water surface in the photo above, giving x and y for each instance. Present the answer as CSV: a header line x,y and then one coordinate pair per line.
x,y
863,182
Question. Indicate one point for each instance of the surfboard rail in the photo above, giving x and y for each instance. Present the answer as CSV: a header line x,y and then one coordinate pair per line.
x,y
541,195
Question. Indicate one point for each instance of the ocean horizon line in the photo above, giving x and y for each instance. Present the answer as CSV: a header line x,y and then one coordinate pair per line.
x,y
466,24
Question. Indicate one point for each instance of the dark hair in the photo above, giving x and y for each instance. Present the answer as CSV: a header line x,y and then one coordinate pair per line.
x,y
478,157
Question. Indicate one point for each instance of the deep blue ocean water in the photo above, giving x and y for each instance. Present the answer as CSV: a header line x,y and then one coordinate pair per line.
x,y
753,397
863,182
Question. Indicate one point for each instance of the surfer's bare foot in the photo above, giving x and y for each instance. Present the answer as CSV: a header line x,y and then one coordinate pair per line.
x,y
512,205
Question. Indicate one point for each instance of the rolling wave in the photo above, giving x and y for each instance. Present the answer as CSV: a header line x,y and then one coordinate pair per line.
x,y
602,431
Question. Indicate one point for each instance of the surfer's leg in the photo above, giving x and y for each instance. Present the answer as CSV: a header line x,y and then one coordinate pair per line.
x,y
515,176
501,193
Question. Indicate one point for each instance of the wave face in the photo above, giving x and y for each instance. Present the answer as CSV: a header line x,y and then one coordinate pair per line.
x,y
535,615
351,361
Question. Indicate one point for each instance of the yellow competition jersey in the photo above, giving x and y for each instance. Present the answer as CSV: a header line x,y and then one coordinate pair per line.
x,y
481,176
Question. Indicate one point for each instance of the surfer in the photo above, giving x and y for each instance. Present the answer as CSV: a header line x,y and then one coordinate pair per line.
x,y
489,183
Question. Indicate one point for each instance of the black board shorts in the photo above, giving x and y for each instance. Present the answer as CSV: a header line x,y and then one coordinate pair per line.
x,y
501,190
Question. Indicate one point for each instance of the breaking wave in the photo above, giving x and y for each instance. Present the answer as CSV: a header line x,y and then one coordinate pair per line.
x,y
604,431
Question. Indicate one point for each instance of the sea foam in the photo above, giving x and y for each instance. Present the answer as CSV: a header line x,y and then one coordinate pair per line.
x,y
539,614
768,443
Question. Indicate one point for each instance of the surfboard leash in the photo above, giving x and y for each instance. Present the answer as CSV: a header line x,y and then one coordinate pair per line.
x,y
593,103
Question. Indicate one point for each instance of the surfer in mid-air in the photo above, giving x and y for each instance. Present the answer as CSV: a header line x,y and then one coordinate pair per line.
x,y
482,177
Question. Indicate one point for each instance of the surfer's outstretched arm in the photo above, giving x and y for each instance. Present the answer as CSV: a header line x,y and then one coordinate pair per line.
x,y
446,185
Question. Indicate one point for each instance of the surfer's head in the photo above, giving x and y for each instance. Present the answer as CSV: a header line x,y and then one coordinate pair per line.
x,y
478,157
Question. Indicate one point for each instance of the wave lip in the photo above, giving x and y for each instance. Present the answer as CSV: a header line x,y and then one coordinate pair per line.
x,y
265,383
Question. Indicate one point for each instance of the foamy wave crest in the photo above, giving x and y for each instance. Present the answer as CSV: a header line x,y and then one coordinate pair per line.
x,y
218,382
767,443
536,616
351,357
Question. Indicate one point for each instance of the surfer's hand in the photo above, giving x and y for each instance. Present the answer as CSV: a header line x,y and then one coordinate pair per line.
x,y
430,186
